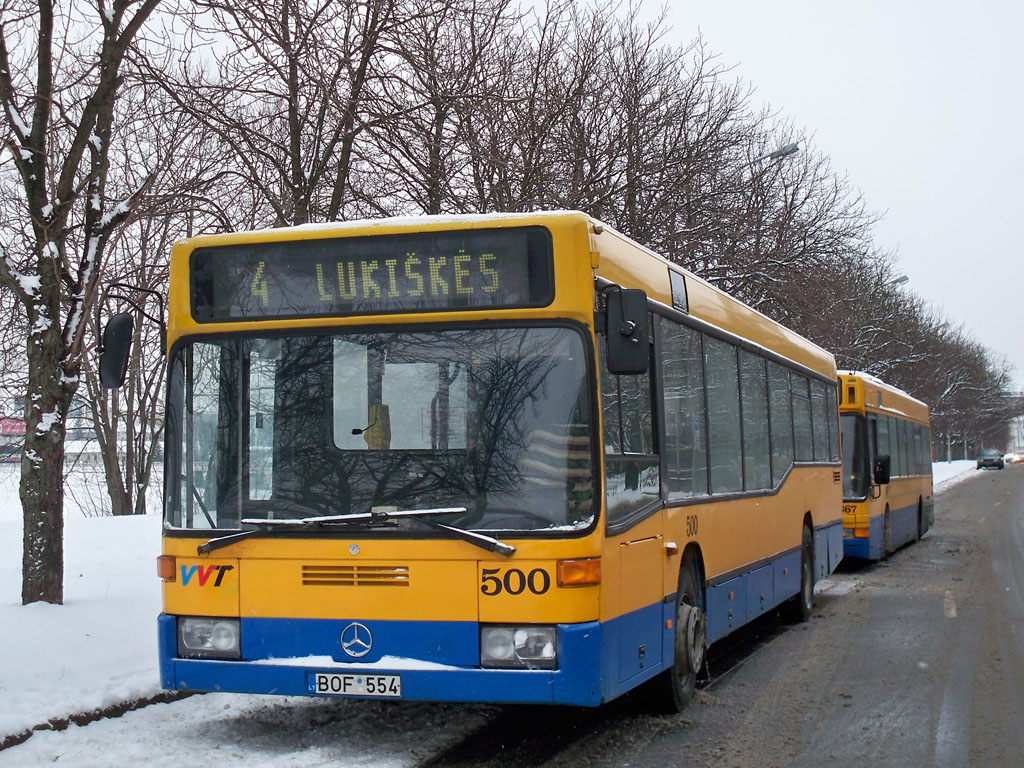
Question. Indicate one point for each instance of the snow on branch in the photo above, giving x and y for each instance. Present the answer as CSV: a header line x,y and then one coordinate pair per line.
x,y
120,211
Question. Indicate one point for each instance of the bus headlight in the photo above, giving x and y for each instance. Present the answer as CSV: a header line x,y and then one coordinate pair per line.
x,y
207,638
527,647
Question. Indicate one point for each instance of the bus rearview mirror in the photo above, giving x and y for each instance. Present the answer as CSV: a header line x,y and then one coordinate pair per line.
x,y
628,333
115,350
883,465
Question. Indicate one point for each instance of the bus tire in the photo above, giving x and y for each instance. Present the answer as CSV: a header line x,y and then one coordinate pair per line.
x,y
675,686
798,608
921,526
886,533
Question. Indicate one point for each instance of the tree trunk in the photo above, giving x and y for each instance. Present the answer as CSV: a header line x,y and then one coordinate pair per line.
x,y
42,471
120,501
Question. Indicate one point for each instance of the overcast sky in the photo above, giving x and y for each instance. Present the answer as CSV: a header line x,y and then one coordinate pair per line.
x,y
920,103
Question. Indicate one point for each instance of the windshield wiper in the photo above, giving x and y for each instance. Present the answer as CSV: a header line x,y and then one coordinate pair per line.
x,y
225,541
379,516
374,517
261,525
481,540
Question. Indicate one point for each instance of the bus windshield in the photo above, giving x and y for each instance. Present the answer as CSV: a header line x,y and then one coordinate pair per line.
x,y
855,465
495,420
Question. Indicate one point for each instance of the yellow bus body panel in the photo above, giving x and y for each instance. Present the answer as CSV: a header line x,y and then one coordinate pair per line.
x,y
386,579
196,590
627,263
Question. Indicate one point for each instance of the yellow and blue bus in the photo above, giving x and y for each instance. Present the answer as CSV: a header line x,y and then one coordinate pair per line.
x,y
503,458
887,467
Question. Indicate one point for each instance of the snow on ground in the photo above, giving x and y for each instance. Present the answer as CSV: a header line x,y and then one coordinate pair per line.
x,y
99,649
949,473
232,731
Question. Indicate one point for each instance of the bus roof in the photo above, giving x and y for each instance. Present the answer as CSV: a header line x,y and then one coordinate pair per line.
x,y
631,266
422,222
882,397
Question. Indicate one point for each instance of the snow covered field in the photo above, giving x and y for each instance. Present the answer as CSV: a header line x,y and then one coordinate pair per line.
x,y
99,650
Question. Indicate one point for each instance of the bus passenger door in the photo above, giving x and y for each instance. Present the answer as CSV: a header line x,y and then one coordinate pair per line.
x,y
640,596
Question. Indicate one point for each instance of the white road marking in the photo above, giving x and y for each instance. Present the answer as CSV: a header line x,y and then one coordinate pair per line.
x,y
949,605
835,587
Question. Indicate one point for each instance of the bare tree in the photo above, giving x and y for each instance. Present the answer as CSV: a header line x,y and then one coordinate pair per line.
x,y
288,94
445,52
58,91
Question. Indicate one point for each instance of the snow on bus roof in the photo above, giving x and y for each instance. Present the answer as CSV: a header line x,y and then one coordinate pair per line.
x,y
877,382
400,221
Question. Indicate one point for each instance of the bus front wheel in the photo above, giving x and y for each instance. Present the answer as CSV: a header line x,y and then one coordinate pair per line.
x,y
678,683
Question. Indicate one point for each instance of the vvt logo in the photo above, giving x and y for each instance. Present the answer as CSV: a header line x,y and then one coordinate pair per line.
x,y
203,573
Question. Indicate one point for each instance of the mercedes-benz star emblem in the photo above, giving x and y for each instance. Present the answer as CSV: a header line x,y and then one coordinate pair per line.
x,y
356,640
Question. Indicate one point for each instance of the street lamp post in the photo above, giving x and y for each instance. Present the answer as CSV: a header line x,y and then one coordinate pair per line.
x,y
778,154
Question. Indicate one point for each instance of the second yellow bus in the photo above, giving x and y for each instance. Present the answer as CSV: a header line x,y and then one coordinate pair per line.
x,y
887,470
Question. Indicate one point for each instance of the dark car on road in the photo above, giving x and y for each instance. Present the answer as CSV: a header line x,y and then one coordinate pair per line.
x,y
990,457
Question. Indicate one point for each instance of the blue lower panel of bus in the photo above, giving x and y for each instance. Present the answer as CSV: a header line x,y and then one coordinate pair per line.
x,y
904,530
421,652
436,660
742,598
745,596
869,548
828,549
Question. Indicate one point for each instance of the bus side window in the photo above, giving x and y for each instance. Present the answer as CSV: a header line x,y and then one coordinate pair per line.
x,y
819,420
724,443
686,451
632,476
833,425
781,417
802,418
754,403
896,444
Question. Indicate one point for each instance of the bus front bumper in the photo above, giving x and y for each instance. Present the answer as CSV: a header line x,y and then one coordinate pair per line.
x,y
576,681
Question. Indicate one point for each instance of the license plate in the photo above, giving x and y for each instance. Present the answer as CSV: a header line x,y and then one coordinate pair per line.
x,y
329,684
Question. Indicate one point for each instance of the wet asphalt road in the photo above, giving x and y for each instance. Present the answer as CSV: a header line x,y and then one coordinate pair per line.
x,y
916,661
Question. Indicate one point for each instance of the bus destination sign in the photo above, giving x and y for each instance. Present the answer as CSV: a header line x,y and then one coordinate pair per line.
x,y
426,271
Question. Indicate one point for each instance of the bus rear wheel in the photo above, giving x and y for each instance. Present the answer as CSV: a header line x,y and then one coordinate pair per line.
x,y
677,684
886,533
799,608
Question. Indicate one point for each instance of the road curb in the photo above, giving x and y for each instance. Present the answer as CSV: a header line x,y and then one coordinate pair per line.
x,y
84,718
953,480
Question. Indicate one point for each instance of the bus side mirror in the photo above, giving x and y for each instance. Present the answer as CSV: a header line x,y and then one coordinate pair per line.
x,y
115,349
882,470
628,334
